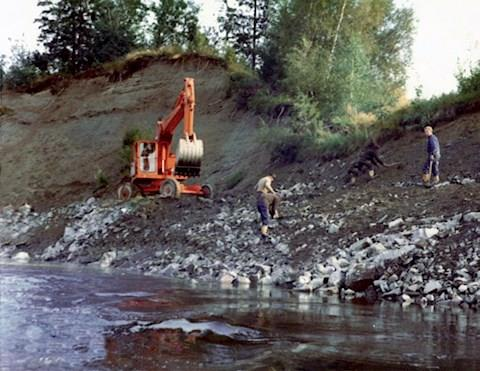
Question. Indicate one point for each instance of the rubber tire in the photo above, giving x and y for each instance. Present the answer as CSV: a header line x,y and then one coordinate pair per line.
x,y
170,188
207,190
125,192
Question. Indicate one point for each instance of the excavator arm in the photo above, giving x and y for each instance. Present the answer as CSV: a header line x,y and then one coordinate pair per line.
x,y
190,149
183,109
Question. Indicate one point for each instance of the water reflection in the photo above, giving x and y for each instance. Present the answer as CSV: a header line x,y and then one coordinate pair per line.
x,y
57,318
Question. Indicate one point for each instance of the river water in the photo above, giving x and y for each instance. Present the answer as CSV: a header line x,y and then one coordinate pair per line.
x,y
69,318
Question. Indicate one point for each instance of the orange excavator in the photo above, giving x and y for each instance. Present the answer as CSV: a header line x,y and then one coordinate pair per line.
x,y
155,169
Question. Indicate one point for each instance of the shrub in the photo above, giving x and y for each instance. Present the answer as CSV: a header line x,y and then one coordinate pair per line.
x,y
101,179
469,82
234,179
5,110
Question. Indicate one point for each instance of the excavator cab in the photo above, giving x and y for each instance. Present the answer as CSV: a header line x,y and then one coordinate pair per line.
x,y
155,168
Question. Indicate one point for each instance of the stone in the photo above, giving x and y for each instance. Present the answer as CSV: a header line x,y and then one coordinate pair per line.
x,y
465,181
424,234
336,279
375,249
395,223
407,298
333,228
462,288
107,259
170,270
472,217
431,286
227,278
282,247
52,251
21,256
265,280
361,244
242,280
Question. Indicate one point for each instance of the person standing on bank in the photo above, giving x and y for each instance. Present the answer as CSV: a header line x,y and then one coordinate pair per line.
x,y
267,202
431,174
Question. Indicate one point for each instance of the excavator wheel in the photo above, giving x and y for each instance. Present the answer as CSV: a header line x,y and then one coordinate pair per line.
x,y
125,191
170,188
189,157
207,191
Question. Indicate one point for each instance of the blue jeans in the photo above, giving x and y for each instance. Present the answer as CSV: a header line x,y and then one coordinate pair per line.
x,y
433,162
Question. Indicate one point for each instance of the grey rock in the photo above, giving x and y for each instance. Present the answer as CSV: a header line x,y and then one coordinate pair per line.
x,y
333,228
395,223
472,217
431,286
424,234
21,256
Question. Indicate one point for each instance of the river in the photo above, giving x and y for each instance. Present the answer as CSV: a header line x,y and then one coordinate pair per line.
x,y
56,317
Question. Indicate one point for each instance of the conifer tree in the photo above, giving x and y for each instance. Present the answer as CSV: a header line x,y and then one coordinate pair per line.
x,y
245,25
175,22
67,33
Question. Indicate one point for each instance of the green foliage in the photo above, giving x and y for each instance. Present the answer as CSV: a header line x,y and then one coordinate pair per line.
x,y
117,26
245,25
244,84
2,71
274,106
175,22
67,32
130,136
5,110
234,179
22,71
77,34
340,54
101,179
469,81
285,145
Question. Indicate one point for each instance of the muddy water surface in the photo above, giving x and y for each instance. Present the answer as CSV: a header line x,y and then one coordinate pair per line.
x,y
61,318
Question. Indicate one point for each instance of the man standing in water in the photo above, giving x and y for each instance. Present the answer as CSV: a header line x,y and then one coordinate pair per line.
x,y
431,166
267,202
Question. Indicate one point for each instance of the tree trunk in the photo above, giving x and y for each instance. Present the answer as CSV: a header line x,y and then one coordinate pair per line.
x,y
337,31
254,38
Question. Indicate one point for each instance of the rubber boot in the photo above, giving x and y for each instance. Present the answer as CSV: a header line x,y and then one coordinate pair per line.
x,y
264,230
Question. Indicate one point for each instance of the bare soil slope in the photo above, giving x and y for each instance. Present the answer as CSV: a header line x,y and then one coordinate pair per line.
x,y
51,146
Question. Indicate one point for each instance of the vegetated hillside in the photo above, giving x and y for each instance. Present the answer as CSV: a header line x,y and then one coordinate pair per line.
x,y
51,146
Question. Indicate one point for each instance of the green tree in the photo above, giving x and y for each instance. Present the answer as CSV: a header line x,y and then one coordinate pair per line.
x,y
340,53
117,28
245,25
21,71
67,33
175,22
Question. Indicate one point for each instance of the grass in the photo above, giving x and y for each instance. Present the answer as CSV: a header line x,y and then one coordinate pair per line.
x,y
101,179
5,110
234,179
353,132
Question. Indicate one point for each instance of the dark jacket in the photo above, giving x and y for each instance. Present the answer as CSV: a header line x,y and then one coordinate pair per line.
x,y
433,146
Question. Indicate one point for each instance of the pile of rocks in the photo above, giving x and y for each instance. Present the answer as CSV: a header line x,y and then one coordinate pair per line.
x,y
424,261
15,225
87,223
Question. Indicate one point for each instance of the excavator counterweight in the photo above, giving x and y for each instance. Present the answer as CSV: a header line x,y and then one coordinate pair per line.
x,y
155,168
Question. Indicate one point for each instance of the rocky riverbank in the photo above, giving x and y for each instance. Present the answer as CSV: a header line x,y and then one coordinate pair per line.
x,y
330,241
